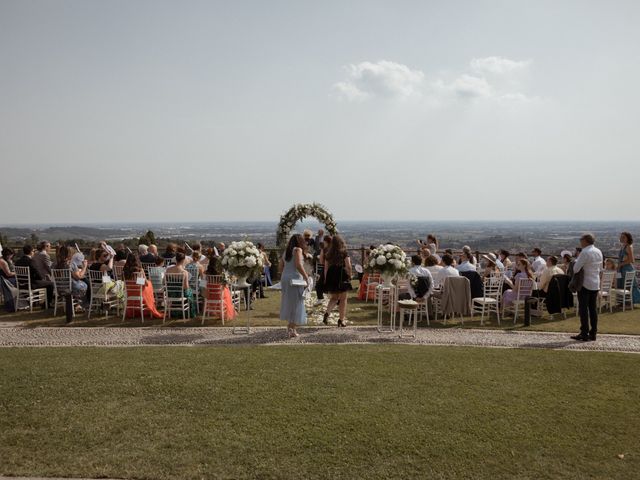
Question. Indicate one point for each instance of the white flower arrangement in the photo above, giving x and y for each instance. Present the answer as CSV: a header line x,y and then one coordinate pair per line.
x,y
242,259
388,260
299,212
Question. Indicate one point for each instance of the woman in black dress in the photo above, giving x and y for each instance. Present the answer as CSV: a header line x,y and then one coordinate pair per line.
x,y
337,278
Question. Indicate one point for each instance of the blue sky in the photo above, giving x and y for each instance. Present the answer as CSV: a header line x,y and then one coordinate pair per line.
x,y
215,111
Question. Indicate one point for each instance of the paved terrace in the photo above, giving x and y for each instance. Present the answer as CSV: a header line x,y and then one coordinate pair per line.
x,y
212,336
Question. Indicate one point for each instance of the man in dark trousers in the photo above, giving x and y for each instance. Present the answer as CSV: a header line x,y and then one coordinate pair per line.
x,y
590,263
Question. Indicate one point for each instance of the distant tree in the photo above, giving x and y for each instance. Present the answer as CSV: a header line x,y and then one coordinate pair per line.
x,y
4,240
34,239
148,238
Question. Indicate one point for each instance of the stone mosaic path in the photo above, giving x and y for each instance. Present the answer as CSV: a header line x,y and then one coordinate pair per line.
x,y
211,336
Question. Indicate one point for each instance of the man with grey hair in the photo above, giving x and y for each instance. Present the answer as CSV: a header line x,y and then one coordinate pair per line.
x,y
590,263
145,255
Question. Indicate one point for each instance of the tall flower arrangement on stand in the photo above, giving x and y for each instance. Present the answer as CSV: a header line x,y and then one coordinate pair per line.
x,y
243,260
388,260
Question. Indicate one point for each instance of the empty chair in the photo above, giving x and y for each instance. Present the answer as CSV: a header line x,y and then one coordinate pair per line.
x,y
156,277
624,295
26,293
61,289
490,300
605,298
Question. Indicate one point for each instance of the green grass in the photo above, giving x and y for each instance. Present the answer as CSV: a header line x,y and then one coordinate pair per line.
x,y
267,310
319,412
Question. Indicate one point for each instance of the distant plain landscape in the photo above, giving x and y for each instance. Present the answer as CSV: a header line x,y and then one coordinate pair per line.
x,y
552,237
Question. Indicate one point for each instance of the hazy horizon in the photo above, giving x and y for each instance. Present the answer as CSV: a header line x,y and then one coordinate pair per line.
x,y
207,110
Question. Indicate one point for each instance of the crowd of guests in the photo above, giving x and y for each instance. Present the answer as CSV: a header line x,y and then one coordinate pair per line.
x,y
188,263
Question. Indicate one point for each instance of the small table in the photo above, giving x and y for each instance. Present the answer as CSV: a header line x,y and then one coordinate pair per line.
x,y
409,307
382,292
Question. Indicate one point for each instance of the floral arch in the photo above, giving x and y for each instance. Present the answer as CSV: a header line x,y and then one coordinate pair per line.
x,y
299,212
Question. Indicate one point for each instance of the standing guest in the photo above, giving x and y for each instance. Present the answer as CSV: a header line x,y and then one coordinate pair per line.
x,y
36,279
318,242
523,267
8,278
308,234
448,270
267,265
504,258
78,265
466,265
42,261
566,257
292,267
337,278
538,264
326,243
626,264
590,262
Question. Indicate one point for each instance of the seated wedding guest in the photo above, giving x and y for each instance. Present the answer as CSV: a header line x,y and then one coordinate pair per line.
x,y
170,251
537,264
42,261
220,247
196,259
8,278
179,267
431,263
626,263
214,268
465,263
504,258
472,259
120,259
103,262
424,284
156,275
566,257
609,264
143,250
36,279
524,271
448,270
491,265
549,271
131,271
92,255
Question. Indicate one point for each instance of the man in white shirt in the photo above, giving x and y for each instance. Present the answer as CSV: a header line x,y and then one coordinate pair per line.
x,y
465,263
590,263
447,271
538,263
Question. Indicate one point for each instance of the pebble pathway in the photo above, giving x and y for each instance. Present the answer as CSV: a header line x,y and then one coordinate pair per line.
x,y
203,336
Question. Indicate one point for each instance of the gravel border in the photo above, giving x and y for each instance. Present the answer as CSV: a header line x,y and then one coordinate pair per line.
x,y
216,336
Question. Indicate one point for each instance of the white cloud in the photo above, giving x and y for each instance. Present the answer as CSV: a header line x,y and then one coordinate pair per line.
x,y
380,79
498,65
492,78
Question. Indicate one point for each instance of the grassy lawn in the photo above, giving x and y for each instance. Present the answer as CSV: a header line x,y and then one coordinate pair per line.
x,y
319,412
267,311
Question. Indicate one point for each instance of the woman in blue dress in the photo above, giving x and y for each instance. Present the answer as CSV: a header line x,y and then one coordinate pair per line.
x,y
292,267
625,258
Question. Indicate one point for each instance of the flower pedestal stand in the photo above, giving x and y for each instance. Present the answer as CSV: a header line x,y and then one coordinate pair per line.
x,y
387,293
241,284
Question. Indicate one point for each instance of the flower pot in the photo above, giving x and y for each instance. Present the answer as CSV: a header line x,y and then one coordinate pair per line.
x,y
241,282
387,278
